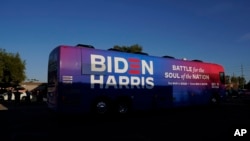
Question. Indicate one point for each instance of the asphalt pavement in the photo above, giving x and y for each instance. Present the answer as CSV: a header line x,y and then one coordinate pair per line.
x,y
35,122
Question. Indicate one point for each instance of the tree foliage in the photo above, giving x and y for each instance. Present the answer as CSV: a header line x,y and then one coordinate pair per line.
x,y
237,81
12,67
131,49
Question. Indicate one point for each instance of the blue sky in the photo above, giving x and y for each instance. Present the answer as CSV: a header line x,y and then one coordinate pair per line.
x,y
210,30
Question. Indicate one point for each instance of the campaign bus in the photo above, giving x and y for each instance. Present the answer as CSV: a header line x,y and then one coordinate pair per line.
x,y
84,79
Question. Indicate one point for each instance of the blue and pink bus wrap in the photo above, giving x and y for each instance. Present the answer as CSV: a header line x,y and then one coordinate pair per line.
x,y
80,76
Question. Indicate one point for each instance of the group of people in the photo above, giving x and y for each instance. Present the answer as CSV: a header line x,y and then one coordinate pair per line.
x,y
17,94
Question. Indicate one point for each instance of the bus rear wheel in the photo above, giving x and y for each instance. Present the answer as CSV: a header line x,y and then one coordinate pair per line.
x,y
123,106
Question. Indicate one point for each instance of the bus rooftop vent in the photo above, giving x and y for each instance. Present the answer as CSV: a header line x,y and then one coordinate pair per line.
x,y
142,53
114,49
83,45
166,56
195,60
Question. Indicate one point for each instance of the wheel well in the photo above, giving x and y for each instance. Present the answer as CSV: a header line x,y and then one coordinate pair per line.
x,y
124,99
111,103
106,98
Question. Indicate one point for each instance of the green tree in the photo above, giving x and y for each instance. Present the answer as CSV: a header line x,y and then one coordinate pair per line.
x,y
131,49
234,80
238,81
12,67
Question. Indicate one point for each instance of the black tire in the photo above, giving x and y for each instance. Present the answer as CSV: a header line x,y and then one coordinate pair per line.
x,y
101,106
123,106
215,100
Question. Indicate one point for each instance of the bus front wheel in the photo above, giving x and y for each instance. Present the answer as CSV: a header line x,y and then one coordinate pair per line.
x,y
215,99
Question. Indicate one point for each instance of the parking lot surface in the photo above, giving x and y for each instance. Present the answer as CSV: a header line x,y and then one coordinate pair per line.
x,y
34,122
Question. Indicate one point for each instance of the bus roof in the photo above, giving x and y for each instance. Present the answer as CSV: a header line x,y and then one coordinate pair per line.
x,y
84,46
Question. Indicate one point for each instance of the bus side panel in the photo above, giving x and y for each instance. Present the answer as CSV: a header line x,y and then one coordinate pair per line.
x,y
115,74
177,82
71,81
150,82
193,83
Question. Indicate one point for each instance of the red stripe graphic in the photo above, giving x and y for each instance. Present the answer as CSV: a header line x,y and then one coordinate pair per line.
x,y
133,60
135,66
134,72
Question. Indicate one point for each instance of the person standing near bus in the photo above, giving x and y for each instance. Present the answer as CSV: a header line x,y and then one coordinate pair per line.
x,y
28,93
9,93
39,96
17,96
